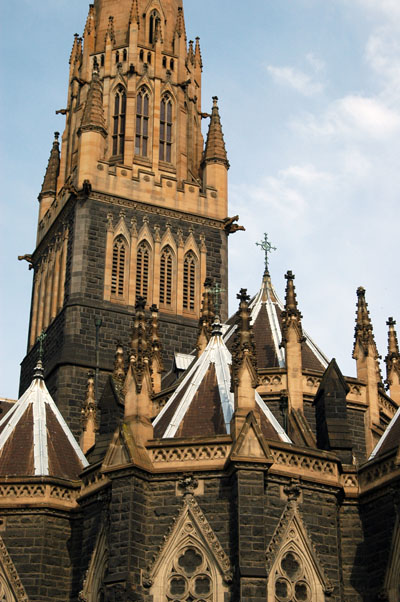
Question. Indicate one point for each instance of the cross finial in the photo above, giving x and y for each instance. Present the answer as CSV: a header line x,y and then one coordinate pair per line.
x,y
267,248
216,291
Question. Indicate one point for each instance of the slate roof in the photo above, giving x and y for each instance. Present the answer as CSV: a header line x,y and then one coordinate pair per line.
x,y
35,440
266,313
202,405
390,438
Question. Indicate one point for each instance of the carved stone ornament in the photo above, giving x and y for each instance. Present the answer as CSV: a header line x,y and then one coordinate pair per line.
x,y
192,527
10,584
188,483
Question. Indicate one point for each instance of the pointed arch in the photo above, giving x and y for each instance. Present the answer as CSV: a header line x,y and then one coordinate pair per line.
x,y
294,569
119,121
167,278
143,270
190,561
154,21
167,119
119,270
190,281
92,590
142,125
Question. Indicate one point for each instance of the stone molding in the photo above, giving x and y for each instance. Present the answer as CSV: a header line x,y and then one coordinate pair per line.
x,y
9,573
12,494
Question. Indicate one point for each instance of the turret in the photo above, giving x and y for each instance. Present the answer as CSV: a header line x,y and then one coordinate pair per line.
x,y
244,366
49,186
138,385
367,357
292,339
215,161
392,361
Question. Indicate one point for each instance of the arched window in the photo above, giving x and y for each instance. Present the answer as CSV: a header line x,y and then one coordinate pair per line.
x,y
171,64
164,62
119,122
189,281
142,122
141,55
153,22
125,54
149,58
166,276
190,577
292,579
117,57
118,267
142,270
102,60
166,129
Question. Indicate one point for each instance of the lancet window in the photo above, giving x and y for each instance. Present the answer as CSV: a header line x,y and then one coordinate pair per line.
x,y
166,129
189,281
190,577
166,276
142,122
119,118
153,23
118,270
142,270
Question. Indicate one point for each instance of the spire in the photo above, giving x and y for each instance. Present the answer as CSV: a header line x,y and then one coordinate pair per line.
x,y
291,316
197,54
215,150
76,51
157,365
207,316
363,330
392,361
89,417
49,186
134,14
180,23
93,114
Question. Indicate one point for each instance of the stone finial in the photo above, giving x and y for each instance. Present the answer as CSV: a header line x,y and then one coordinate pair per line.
x,y
119,365
207,316
140,354
197,55
134,14
110,34
49,186
180,23
93,114
215,151
190,54
76,52
89,418
157,365
392,361
244,350
291,316
90,25
363,334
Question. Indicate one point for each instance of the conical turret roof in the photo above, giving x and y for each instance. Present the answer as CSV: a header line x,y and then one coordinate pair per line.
x,y
215,150
203,404
266,318
35,439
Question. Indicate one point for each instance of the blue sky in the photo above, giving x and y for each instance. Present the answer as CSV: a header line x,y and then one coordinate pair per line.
x,y
309,94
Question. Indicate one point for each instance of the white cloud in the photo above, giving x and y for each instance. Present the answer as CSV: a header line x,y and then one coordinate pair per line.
x,y
296,79
316,63
304,174
388,8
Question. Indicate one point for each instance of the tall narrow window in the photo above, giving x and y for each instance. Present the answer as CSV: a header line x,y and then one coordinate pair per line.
x,y
153,22
142,123
119,122
166,276
189,281
142,270
118,267
166,129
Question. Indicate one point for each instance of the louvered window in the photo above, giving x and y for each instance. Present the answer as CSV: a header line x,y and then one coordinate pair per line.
x,y
166,129
142,270
118,267
153,23
189,281
142,123
166,276
119,118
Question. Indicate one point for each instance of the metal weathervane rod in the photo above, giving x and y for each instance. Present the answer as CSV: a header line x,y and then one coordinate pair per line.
x,y
267,247
216,291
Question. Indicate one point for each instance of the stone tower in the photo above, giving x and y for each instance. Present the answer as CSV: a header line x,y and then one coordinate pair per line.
x,y
133,202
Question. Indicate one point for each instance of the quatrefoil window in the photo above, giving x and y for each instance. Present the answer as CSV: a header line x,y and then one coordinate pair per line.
x,y
291,580
190,578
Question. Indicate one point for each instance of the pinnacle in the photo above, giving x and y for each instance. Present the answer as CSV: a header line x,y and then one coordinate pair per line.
x,y
244,349
215,150
93,115
89,26
180,23
393,355
49,186
119,367
363,330
76,51
110,35
134,14
291,298
197,54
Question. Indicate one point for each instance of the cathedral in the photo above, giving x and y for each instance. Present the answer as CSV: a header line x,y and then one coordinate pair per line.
x,y
162,450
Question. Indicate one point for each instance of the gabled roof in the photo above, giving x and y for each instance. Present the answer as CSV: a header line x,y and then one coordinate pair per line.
x,y
35,439
266,314
390,438
203,404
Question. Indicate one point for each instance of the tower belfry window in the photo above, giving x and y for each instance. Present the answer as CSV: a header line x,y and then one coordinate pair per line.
x,y
142,122
142,270
153,23
118,267
119,118
189,281
166,129
166,276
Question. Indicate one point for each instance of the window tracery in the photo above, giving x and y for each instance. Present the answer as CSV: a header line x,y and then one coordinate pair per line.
x,y
5,593
292,581
166,276
189,281
190,578
142,270
119,118
142,122
166,129
153,23
118,267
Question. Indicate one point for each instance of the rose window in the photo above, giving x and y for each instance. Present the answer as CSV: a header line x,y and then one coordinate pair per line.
x,y
291,583
190,578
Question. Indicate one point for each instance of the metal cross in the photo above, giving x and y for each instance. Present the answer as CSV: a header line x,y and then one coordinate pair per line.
x,y
41,339
267,248
216,290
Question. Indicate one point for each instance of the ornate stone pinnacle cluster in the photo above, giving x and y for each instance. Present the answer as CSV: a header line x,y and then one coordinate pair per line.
x,y
291,316
392,359
363,333
244,349
89,408
207,316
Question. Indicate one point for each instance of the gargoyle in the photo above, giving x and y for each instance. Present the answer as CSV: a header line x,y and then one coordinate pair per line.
x,y
27,258
230,227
